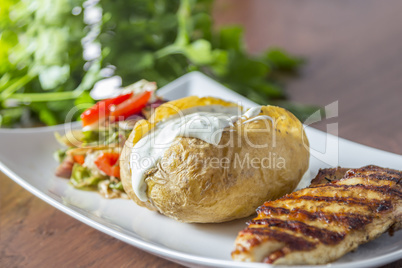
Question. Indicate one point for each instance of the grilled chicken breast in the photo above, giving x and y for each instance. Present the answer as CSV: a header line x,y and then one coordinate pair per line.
x,y
321,223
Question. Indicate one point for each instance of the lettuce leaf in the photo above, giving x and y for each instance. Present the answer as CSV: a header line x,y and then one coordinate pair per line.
x,y
81,177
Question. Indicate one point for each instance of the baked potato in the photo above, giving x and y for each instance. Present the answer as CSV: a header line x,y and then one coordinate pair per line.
x,y
258,158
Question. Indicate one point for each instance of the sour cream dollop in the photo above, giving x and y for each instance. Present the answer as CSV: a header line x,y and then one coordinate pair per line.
x,y
204,122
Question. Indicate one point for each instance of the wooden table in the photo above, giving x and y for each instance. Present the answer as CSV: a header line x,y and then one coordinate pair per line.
x,y
354,52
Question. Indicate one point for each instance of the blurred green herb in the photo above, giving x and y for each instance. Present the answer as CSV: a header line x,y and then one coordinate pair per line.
x,y
42,69
44,74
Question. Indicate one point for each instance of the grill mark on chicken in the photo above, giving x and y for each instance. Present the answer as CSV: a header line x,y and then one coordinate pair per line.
x,y
333,174
349,220
353,205
325,236
371,204
395,179
376,168
292,241
385,190
364,171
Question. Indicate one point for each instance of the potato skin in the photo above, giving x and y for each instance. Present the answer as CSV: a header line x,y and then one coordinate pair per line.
x,y
199,182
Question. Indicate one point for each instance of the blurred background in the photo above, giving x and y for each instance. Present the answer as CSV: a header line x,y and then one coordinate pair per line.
x,y
301,54
54,52
353,51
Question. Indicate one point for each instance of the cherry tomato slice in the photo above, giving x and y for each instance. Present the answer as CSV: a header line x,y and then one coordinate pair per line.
x,y
102,109
134,105
79,158
108,163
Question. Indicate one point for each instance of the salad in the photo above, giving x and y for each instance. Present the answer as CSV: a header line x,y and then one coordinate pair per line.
x,y
90,155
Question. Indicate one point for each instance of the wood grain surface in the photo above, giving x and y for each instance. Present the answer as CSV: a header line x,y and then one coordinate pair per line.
x,y
354,52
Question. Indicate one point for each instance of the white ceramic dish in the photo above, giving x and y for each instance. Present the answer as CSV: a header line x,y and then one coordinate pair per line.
x,y
26,157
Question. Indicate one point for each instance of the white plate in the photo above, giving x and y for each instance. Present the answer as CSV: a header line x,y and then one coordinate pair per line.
x,y
26,157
